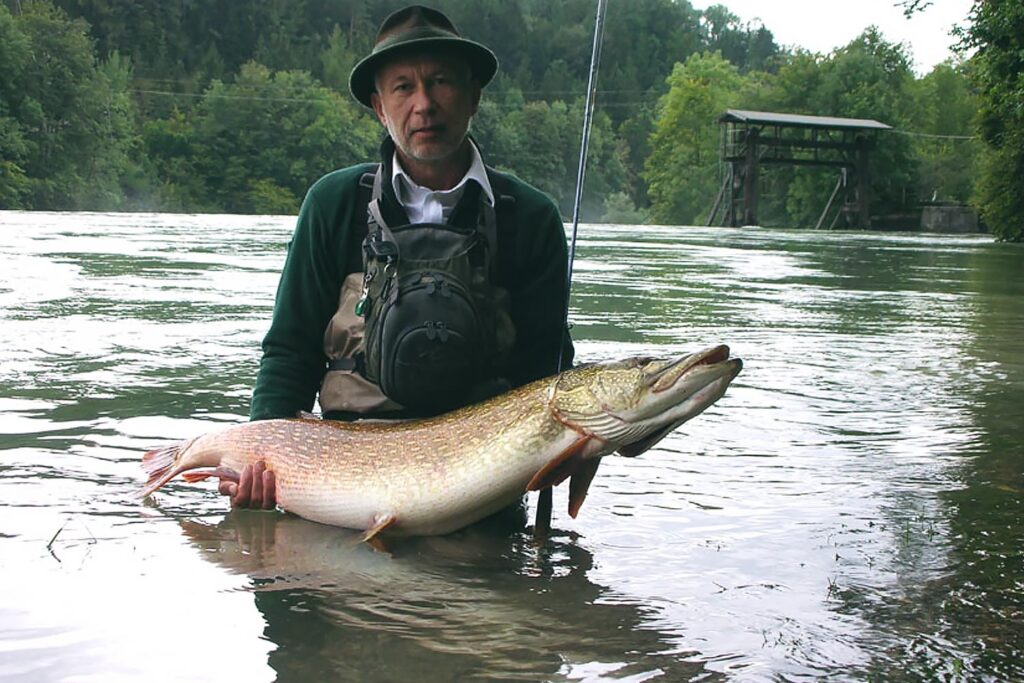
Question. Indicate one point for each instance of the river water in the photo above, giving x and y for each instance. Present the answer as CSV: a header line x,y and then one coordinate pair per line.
x,y
850,510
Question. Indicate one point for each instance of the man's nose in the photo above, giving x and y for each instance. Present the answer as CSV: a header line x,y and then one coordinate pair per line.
x,y
423,98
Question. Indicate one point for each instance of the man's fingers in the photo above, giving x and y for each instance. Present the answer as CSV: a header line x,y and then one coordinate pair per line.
x,y
269,490
255,488
256,497
244,491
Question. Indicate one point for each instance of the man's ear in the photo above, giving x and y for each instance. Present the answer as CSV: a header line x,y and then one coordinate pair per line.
x,y
378,108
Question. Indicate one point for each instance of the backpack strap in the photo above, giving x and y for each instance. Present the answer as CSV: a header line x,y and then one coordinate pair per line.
x,y
487,225
365,194
377,230
365,188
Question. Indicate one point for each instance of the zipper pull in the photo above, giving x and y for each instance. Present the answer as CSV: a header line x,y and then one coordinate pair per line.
x,y
364,295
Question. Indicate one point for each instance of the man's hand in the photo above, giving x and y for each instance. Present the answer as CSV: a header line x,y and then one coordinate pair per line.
x,y
255,488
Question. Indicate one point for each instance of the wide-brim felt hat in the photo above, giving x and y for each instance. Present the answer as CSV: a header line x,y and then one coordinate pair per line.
x,y
413,29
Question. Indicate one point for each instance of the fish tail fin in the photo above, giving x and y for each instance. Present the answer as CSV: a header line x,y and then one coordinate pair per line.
x,y
162,465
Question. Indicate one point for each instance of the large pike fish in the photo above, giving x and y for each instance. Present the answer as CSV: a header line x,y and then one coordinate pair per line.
x,y
437,475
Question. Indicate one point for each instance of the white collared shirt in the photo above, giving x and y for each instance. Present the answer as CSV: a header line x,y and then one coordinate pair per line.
x,y
424,205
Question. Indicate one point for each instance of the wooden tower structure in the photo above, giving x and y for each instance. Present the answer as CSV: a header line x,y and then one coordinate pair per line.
x,y
752,138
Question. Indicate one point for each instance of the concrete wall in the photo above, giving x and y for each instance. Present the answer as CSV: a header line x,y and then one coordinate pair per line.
x,y
961,219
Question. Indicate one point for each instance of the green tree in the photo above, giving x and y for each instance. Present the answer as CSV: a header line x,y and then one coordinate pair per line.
x,y
65,121
871,78
607,157
535,146
947,150
682,171
14,147
337,60
748,46
997,69
557,83
267,136
642,40
634,135
172,148
541,142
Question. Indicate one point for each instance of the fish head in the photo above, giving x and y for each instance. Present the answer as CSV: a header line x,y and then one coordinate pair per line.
x,y
634,403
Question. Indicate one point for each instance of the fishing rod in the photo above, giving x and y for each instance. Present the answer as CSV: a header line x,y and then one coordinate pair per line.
x,y
588,119
542,525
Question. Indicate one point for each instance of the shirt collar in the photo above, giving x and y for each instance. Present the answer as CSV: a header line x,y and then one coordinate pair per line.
x,y
405,187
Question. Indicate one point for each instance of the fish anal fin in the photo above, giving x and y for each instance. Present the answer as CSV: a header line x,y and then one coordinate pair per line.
x,y
579,484
380,523
560,467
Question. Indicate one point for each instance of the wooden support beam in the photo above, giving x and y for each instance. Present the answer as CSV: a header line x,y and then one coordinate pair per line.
x,y
750,174
839,183
863,186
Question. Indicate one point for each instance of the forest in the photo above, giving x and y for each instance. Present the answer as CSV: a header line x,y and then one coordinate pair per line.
x,y
239,105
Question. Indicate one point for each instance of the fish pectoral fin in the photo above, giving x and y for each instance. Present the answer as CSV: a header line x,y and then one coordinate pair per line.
x,y
579,484
560,467
380,522
641,446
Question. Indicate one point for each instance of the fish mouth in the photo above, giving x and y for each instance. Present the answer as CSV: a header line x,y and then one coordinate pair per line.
x,y
719,373
665,378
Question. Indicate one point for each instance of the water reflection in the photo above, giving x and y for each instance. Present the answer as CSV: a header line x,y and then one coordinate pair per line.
x,y
475,604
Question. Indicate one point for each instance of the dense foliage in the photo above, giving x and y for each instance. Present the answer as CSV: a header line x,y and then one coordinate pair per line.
x,y
236,105
67,125
997,32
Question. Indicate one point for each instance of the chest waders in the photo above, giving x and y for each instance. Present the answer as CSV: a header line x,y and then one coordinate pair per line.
x,y
424,327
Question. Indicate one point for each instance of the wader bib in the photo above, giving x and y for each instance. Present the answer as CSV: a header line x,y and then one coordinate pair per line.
x,y
424,328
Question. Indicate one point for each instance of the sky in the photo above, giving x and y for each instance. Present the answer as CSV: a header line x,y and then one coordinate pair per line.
x,y
824,25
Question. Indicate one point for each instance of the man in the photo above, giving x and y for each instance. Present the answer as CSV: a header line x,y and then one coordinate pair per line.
x,y
328,339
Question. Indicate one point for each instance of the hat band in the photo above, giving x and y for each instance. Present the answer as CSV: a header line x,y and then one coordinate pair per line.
x,y
413,35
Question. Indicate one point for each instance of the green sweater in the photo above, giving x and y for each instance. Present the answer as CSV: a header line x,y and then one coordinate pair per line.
x,y
327,246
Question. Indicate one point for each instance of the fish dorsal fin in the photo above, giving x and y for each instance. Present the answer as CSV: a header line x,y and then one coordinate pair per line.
x,y
560,467
579,484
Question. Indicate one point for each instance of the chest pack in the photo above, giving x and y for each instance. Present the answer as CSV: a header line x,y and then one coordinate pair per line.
x,y
436,323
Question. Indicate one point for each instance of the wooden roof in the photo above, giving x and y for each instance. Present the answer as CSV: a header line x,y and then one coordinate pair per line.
x,y
799,120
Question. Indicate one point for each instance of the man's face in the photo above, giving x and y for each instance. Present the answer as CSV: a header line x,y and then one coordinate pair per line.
x,y
426,102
